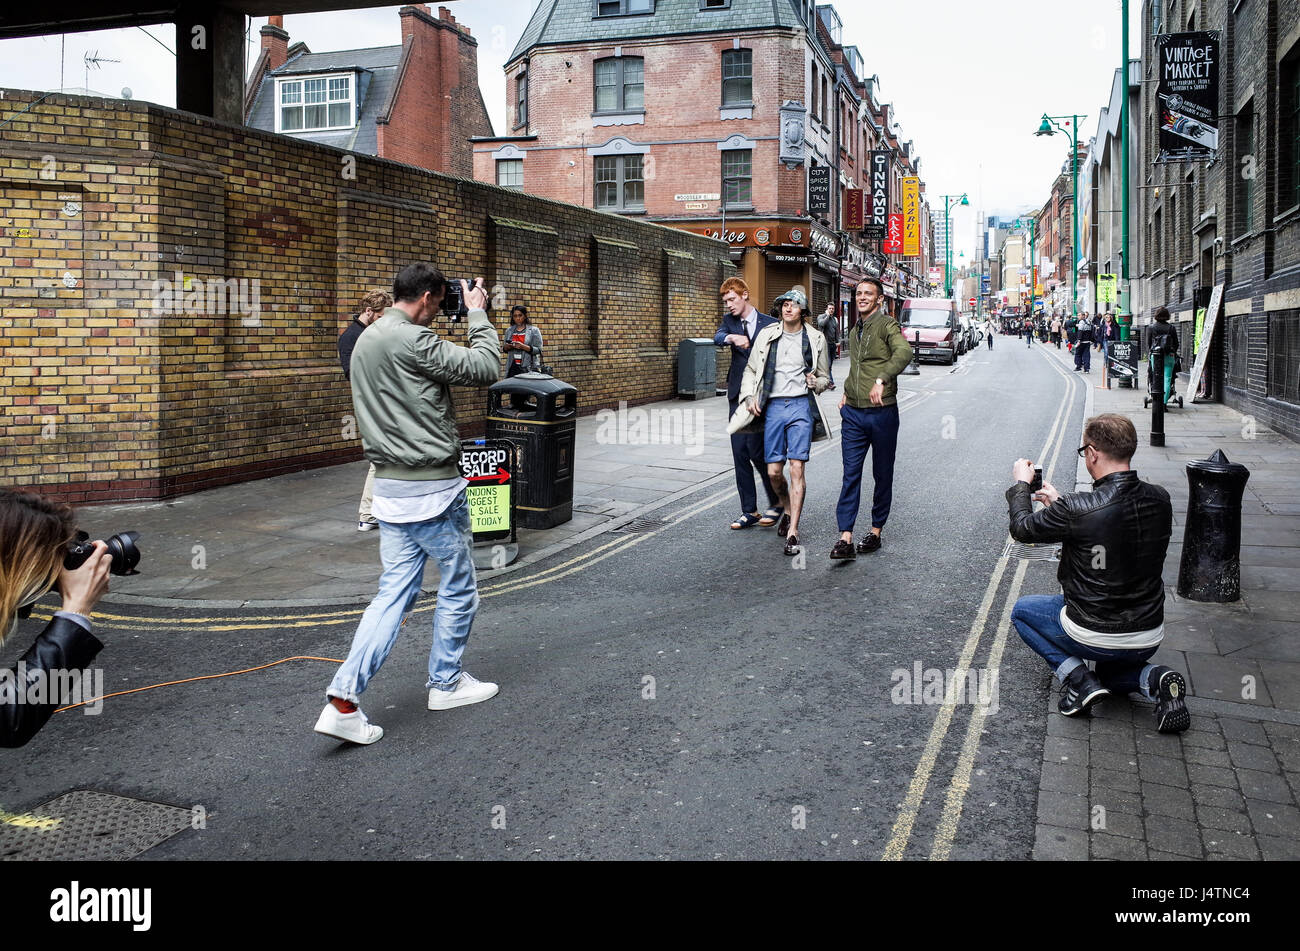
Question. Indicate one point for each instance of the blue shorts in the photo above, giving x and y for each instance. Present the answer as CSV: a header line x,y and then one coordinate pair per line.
x,y
787,428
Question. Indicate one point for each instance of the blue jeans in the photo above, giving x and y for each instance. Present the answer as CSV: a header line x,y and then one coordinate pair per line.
x,y
874,428
403,549
1037,618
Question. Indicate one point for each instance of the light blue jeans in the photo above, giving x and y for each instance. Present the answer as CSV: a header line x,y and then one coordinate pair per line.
x,y
404,549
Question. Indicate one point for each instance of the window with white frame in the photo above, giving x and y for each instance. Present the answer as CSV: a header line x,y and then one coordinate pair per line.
x,y
620,84
315,103
737,77
510,173
737,177
616,8
620,184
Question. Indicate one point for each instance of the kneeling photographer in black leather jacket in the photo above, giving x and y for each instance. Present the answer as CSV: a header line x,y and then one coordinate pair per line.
x,y
34,537
1111,610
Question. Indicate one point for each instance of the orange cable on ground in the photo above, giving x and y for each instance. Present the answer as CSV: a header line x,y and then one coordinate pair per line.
x,y
170,683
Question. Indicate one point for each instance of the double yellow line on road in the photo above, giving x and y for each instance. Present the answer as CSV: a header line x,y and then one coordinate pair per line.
x,y
901,833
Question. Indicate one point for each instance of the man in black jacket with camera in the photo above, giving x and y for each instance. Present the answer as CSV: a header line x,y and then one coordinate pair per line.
x,y
1114,541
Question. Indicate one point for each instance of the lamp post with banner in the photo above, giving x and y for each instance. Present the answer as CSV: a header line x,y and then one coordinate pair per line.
x,y
1050,126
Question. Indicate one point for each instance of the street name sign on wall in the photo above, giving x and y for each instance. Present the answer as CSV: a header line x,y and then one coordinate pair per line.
x,y
488,464
819,190
1188,95
1207,334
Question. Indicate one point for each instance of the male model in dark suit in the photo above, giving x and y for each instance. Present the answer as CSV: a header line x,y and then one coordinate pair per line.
x,y
740,325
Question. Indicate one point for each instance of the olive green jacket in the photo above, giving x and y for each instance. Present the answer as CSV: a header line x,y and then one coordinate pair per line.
x,y
877,350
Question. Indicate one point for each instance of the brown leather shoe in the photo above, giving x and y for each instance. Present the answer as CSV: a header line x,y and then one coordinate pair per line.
x,y
870,542
792,545
843,551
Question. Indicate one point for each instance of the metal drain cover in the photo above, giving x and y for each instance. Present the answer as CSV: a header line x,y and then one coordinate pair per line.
x,y
640,524
85,825
1034,552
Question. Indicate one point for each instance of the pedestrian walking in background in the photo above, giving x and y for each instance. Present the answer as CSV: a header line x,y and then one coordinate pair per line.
x,y
787,367
372,308
988,331
523,343
829,324
1111,609
1071,333
1055,329
878,353
1163,335
402,373
741,322
1083,346
1029,331
1105,334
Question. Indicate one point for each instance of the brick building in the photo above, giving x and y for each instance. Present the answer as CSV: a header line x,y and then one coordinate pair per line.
x,y
1236,220
708,116
417,102
176,287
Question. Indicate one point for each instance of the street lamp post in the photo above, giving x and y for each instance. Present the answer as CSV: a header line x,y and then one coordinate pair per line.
x,y
947,240
1046,128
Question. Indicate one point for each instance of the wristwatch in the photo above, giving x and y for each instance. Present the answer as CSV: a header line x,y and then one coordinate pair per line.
x,y
880,381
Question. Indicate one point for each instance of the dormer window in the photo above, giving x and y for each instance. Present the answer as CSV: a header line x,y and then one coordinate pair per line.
x,y
619,8
315,103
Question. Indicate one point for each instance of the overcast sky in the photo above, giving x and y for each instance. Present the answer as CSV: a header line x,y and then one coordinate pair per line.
x,y
969,81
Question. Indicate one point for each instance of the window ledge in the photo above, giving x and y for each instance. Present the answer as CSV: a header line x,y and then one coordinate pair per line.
x,y
1286,216
622,211
744,111
1241,239
618,118
740,208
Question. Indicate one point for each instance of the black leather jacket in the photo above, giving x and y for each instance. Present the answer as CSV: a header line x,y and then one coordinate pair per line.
x,y
1115,541
63,645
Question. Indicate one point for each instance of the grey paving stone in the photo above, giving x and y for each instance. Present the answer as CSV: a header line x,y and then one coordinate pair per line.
x,y
1204,757
1120,780
1055,844
1275,849
1268,787
1117,742
1074,727
1221,797
1270,818
1281,731
1246,756
1111,725
1244,730
1157,856
1064,777
1117,847
1162,769
1212,775
1061,749
1110,759
1066,810
1167,801
1160,744
1122,823
1217,818
1115,710
1205,734
1167,834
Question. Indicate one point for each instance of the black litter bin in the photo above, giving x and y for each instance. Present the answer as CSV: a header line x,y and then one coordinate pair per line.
x,y
539,414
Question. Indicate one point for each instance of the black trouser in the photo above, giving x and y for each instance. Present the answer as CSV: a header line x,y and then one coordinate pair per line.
x,y
747,450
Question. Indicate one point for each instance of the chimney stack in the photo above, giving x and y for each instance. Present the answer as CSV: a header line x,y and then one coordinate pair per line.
x,y
275,41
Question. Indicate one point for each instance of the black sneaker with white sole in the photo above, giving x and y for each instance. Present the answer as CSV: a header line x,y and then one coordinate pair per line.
x,y
1080,691
1171,710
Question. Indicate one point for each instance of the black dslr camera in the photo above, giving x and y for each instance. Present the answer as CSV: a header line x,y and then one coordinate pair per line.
x,y
121,547
453,302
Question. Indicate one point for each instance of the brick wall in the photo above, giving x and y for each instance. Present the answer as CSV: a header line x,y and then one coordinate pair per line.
x,y
100,201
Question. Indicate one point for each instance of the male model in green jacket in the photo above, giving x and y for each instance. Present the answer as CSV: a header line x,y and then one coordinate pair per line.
x,y
869,412
402,374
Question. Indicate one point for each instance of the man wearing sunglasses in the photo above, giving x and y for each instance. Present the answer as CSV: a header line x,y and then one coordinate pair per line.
x,y
1111,610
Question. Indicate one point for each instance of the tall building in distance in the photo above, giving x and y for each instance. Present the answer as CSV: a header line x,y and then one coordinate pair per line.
x,y
746,120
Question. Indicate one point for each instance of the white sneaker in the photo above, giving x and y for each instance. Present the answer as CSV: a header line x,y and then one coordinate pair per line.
x,y
468,690
353,727
364,526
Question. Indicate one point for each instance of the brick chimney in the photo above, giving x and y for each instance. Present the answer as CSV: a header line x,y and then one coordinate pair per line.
x,y
437,105
275,41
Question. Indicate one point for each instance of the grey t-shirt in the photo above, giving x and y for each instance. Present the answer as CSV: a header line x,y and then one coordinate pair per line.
x,y
789,366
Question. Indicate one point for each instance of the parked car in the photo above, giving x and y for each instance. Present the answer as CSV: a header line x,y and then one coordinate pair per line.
x,y
934,319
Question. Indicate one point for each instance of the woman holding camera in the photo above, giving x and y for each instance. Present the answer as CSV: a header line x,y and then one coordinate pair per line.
x,y
34,535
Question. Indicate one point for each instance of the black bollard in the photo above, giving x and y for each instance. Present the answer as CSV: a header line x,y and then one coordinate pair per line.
x,y
1157,387
1210,569
913,369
